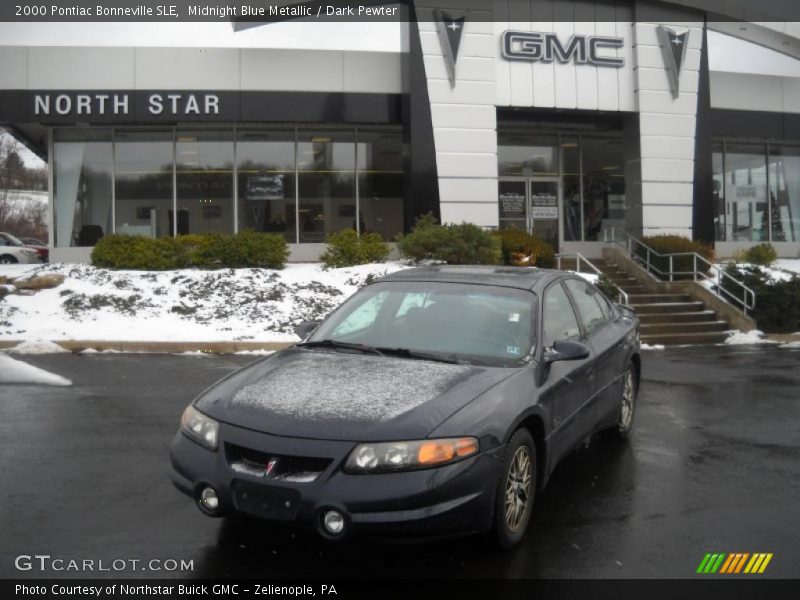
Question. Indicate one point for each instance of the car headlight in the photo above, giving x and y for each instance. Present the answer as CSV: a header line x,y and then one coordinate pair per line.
x,y
29,252
407,456
199,428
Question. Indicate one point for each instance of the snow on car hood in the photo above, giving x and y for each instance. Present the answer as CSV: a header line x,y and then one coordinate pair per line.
x,y
318,385
338,395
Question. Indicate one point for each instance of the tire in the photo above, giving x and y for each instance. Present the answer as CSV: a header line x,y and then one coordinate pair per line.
x,y
627,406
7,259
515,490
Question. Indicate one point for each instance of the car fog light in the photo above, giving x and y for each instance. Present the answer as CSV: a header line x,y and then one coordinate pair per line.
x,y
209,498
333,521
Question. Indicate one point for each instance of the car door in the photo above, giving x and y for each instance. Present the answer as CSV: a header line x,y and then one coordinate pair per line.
x,y
568,385
606,341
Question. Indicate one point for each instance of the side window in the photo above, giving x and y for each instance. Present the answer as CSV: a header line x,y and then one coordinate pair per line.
x,y
362,317
558,318
605,306
586,300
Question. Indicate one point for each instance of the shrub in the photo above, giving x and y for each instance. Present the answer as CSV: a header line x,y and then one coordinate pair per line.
x,y
608,287
462,244
347,248
205,251
777,307
518,245
762,254
672,244
135,252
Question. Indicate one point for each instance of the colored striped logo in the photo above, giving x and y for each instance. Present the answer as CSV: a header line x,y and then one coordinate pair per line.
x,y
734,563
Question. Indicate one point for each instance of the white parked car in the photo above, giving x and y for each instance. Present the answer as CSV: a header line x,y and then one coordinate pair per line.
x,y
17,254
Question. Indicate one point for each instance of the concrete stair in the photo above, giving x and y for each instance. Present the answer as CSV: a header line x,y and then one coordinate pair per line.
x,y
667,318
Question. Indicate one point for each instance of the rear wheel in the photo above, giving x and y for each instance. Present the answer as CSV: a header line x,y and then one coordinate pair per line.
x,y
516,489
627,405
7,259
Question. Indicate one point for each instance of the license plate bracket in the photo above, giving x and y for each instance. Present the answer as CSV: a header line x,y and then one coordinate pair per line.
x,y
266,502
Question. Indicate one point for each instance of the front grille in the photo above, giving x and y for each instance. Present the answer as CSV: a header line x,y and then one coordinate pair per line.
x,y
275,467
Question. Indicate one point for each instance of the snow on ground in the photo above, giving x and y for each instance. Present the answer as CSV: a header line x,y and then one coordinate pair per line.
x,y
16,371
652,346
260,305
37,347
736,338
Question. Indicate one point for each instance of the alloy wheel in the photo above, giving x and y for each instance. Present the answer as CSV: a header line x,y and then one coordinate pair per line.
x,y
518,488
628,399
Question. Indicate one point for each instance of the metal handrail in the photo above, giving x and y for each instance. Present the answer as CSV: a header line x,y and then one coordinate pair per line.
x,y
622,297
747,301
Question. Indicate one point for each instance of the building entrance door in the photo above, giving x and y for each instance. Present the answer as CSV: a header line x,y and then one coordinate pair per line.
x,y
532,204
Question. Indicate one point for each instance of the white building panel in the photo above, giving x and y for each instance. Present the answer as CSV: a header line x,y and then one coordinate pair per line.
x,y
80,68
465,140
187,68
468,189
480,213
13,67
295,70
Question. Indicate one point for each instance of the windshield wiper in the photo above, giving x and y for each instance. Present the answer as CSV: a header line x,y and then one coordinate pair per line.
x,y
346,345
434,356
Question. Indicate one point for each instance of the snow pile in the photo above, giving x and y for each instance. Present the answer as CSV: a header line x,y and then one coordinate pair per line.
x,y
37,347
737,338
16,371
652,346
191,305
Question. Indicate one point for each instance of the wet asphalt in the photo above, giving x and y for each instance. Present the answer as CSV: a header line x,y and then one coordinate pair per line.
x,y
713,466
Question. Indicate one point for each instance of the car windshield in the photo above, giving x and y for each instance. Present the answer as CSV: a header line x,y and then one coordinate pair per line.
x,y
466,323
13,240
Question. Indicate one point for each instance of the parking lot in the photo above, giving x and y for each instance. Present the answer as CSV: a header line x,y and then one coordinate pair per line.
x,y
713,466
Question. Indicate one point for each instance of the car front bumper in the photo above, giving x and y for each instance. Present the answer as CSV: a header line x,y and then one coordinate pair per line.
x,y
450,500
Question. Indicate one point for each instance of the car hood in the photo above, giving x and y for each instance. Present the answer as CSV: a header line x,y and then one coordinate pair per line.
x,y
334,395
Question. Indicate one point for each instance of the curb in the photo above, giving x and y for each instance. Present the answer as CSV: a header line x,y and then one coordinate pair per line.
x,y
77,346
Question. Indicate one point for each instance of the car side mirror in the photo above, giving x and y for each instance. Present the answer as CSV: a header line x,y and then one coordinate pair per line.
x,y
565,350
305,328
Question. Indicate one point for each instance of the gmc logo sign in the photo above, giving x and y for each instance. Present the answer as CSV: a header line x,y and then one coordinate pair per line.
x,y
547,48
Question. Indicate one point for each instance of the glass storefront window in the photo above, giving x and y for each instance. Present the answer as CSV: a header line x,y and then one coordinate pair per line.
x,y
784,192
571,178
143,182
721,231
204,181
746,192
380,182
326,183
519,154
603,186
348,178
266,182
590,171
83,175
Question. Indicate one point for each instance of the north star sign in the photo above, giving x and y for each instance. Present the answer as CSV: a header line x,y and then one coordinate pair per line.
x,y
85,104
547,48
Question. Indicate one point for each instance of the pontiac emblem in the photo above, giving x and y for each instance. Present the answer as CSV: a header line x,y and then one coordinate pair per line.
x,y
273,462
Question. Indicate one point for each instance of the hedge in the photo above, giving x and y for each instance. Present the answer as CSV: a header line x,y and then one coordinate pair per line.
x,y
461,244
347,248
672,244
520,248
205,251
777,307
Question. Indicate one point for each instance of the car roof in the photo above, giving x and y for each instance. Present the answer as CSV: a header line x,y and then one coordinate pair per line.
x,y
523,278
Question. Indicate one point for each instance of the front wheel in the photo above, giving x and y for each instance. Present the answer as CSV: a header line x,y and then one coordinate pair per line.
x,y
7,259
516,490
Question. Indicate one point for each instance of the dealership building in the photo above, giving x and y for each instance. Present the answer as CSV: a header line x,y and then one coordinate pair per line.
x,y
574,120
